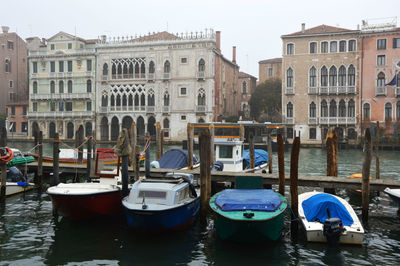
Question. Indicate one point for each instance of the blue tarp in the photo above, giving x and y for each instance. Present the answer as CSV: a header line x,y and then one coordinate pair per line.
x,y
260,157
175,159
248,199
315,209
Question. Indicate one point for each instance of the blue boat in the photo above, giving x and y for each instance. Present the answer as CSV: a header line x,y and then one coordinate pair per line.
x,y
162,204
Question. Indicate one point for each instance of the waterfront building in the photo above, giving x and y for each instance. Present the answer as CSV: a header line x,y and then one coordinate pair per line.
x,y
248,85
168,78
320,82
17,120
62,86
269,69
13,70
380,57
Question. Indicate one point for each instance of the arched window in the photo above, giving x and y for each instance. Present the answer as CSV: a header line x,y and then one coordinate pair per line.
x,y
61,86
202,65
166,123
313,109
332,76
105,69
136,101
388,111
398,110
166,99
289,78
151,67
201,98
119,70
114,70
289,110
150,99
34,87
125,70
167,67
351,76
324,76
112,100
324,109
342,108
381,80
8,66
70,130
342,46
88,85
104,101
367,111
52,87
342,76
130,100
351,108
313,77
124,100
118,100
290,48
244,87
69,86
332,109
142,100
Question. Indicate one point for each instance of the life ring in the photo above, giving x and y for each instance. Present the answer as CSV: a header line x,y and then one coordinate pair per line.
x,y
8,155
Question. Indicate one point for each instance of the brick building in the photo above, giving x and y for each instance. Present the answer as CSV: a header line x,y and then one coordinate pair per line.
x,y
269,69
248,84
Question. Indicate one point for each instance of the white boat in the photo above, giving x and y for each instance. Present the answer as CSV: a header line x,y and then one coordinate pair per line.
x,y
329,218
394,194
16,182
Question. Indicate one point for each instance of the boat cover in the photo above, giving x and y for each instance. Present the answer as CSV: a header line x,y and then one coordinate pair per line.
x,y
248,199
175,159
260,157
315,209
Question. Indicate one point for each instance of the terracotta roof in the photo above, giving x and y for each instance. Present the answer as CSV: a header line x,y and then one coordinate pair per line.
x,y
271,61
321,29
245,75
158,36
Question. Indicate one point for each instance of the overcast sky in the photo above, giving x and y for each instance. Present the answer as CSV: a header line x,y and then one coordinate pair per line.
x,y
253,26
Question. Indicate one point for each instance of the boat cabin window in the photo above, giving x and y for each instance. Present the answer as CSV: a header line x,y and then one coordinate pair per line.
x,y
152,194
225,151
184,194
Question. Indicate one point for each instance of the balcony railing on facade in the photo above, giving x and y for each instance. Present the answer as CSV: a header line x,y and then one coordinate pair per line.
x,y
200,109
335,90
290,120
66,52
380,91
151,77
61,114
166,109
337,120
200,75
58,96
166,76
61,75
289,90
129,76
312,121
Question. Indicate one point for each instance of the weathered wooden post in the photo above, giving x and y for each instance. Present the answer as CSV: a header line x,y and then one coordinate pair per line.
x,y
162,142
377,167
147,156
269,154
136,165
242,132
56,156
331,158
89,160
78,143
365,175
190,136
3,165
123,150
294,192
158,141
205,170
39,178
251,150
211,144
133,144
281,164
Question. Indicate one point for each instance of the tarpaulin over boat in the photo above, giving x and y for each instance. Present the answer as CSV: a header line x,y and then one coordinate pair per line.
x,y
260,157
175,159
248,199
315,209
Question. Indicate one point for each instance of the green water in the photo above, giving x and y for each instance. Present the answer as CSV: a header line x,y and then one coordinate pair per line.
x,y
29,235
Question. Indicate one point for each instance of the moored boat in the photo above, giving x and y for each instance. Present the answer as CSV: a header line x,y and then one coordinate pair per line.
x,y
329,218
394,194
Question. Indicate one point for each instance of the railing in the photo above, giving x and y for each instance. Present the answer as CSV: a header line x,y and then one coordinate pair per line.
x,y
60,74
312,90
337,120
351,90
200,75
34,75
289,90
129,76
312,121
104,78
342,90
68,74
150,76
380,91
200,109
332,90
150,109
89,73
165,109
397,91
103,109
166,76
63,114
323,90
52,74
57,96
290,120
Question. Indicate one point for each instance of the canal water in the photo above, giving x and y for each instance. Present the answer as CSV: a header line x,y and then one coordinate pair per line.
x,y
29,235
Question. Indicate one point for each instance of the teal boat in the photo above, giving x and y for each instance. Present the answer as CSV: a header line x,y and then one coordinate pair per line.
x,y
248,215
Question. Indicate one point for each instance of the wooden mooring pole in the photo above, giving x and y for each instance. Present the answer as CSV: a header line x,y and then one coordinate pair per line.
x,y
190,136
147,156
377,167
78,143
89,160
136,164
269,154
205,170
251,150
125,161
294,191
158,141
365,175
331,158
133,140
3,166
39,179
211,145
281,164
56,157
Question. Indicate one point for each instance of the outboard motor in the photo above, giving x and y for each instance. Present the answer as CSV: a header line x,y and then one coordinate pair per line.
x,y
218,166
333,228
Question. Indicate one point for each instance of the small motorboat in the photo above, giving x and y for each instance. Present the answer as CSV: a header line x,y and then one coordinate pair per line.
x,y
16,182
394,194
162,204
329,218
248,215
175,159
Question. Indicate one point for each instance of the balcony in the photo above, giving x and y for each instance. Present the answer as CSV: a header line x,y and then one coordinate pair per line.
x,y
333,90
351,90
290,120
59,96
200,75
89,74
60,75
380,91
103,109
104,78
151,77
34,75
337,120
165,109
129,76
312,121
52,74
312,90
65,114
323,90
150,109
289,90
68,75
397,92
166,76
200,109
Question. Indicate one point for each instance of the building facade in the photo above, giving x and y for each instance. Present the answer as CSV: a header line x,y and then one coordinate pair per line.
x,y
269,69
248,84
61,86
320,85
17,119
13,71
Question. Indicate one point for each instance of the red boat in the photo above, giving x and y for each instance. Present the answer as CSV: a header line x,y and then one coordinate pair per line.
x,y
89,200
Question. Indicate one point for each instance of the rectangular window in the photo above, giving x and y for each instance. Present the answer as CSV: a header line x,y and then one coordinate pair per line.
x,y
60,66
381,60
182,92
12,110
290,49
342,46
381,44
52,66
88,106
313,133
324,47
69,66
10,84
183,117
52,106
183,60
24,110
89,65
396,42
34,66
68,106
333,48
24,126
225,151
270,72
289,133
13,126
61,106
52,47
69,46
12,96
313,47
10,45
352,45
34,107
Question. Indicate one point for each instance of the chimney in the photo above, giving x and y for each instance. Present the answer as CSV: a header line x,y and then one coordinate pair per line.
x,y
103,38
303,27
5,29
234,54
218,40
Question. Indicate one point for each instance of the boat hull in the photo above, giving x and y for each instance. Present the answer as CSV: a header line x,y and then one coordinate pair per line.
x,y
13,188
87,206
348,237
160,220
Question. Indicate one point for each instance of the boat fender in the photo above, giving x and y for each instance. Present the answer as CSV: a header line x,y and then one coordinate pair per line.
x,y
248,214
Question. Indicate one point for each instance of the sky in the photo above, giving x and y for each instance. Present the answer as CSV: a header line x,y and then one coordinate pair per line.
x,y
253,26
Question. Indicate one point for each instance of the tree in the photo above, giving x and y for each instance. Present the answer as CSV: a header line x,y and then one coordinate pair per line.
x,y
266,101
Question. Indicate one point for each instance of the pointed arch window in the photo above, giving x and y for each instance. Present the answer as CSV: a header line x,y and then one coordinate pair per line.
x,y
201,98
289,110
388,111
166,99
324,108
380,83
114,71
351,108
104,101
244,87
342,108
332,109
167,67
313,77
202,65
342,76
151,67
313,109
150,98
105,69
351,76
332,76
52,87
367,111
324,76
142,100
289,78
